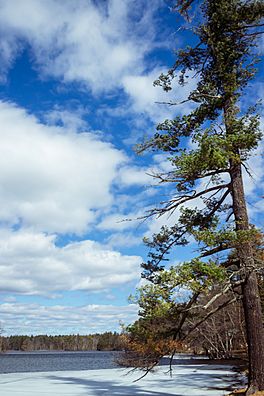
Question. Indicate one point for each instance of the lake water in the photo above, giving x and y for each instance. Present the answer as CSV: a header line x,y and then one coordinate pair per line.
x,y
20,362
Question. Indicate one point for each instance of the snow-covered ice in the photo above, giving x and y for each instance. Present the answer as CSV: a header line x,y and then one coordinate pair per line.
x,y
191,380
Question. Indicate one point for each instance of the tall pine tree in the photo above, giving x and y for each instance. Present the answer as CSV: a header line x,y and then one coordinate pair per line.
x,y
225,136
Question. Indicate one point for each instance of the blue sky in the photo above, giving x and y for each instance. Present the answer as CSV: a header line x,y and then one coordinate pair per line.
x,y
76,95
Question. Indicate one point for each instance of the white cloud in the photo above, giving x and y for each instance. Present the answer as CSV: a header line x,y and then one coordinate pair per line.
x,y
19,318
148,93
80,41
145,97
254,182
51,178
130,175
254,185
134,175
117,222
123,240
102,47
71,120
33,264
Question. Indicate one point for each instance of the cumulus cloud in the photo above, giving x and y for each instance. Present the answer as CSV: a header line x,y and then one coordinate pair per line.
x,y
123,240
18,318
103,47
51,178
134,175
31,263
150,101
72,120
80,41
116,222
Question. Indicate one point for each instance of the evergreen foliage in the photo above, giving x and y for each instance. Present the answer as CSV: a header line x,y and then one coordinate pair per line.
x,y
209,176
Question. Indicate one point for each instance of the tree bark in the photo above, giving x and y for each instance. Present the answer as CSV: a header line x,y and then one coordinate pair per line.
x,y
251,297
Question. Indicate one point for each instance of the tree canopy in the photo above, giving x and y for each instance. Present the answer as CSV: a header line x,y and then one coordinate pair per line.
x,y
208,150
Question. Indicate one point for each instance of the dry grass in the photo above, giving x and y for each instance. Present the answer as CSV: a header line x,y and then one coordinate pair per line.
x,y
239,392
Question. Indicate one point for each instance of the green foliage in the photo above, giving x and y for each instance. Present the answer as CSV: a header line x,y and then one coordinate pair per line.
x,y
221,137
226,235
224,61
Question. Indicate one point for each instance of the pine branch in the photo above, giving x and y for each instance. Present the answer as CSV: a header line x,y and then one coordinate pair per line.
x,y
229,216
174,103
169,246
247,27
185,313
215,250
253,34
219,203
183,177
173,204
192,97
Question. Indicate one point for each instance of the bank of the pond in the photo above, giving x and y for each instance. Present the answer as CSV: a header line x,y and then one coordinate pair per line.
x,y
242,392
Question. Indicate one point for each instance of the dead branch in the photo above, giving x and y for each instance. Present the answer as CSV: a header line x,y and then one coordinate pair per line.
x,y
182,199
225,304
147,371
180,178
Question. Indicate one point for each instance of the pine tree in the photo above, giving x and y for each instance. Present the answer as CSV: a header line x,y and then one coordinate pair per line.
x,y
225,135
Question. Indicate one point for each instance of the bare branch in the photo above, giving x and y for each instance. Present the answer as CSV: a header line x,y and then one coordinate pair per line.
x,y
180,200
185,314
226,303
192,97
215,250
147,371
204,95
247,27
219,203
229,215
174,103
253,34
216,296
247,170
168,177
171,360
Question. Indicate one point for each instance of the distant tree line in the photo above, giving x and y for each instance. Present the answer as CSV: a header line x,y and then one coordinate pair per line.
x,y
108,341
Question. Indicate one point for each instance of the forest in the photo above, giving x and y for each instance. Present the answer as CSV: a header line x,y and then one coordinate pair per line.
x,y
108,341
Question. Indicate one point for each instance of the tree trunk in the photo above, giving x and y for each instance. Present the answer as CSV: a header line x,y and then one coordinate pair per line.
x,y
251,297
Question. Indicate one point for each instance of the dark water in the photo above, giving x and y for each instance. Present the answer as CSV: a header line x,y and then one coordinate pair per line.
x,y
56,361
18,362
